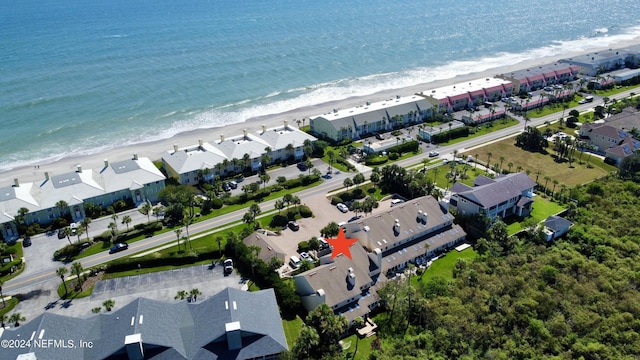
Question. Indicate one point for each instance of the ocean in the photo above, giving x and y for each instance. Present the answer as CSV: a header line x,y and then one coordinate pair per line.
x,y
80,77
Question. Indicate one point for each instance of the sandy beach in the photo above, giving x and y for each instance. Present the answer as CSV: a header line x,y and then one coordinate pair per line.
x,y
155,150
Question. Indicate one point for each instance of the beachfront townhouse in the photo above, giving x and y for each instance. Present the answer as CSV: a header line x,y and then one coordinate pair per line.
x,y
191,164
468,94
370,118
599,62
503,196
232,324
409,232
284,142
136,180
538,77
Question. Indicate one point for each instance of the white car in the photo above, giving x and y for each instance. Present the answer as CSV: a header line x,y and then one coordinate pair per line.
x,y
433,153
342,207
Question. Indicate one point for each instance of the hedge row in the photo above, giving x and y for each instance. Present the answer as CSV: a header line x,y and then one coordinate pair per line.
x,y
375,159
453,134
147,230
409,146
243,198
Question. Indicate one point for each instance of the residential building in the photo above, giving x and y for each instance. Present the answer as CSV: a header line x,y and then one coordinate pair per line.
x,y
556,226
370,118
232,324
469,94
624,74
136,180
410,232
267,242
233,155
503,196
194,163
602,135
279,138
427,132
474,118
599,62
538,77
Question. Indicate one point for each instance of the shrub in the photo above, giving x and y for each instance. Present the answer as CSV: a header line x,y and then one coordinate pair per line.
x,y
305,211
216,203
376,160
357,194
394,156
303,246
335,200
278,220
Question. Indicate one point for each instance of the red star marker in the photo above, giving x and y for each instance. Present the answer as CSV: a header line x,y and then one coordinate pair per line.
x,y
341,245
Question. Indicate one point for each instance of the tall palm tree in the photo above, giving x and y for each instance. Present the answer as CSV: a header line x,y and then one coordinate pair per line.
x,y
186,221
475,162
77,269
489,155
85,225
546,181
126,220
4,304
145,209
114,217
63,206
61,272
501,161
178,233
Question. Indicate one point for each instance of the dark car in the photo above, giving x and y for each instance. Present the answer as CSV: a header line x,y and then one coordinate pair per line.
x,y
302,166
226,187
293,225
61,234
355,218
118,247
26,242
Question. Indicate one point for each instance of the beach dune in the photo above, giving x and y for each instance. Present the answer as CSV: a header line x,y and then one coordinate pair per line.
x,y
155,150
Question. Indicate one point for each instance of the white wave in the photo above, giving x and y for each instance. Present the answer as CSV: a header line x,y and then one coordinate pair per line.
x,y
601,30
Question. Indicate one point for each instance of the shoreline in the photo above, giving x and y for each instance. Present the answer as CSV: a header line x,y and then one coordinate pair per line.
x,y
155,149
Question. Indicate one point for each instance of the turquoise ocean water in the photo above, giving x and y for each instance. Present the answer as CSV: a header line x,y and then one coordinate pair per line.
x,y
78,77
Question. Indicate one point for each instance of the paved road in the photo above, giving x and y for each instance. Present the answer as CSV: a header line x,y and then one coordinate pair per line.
x,y
46,272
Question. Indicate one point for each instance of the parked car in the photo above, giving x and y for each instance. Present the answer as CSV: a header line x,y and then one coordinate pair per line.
x,y
304,256
355,218
226,187
26,242
433,153
118,247
228,266
302,166
293,225
233,184
342,207
583,101
379,136
61,234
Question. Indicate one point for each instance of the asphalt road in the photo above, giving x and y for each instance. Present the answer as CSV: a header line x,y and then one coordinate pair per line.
x,y
47,273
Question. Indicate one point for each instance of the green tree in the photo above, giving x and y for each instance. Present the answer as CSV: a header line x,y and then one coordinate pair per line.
x,y
77,269
126,220
16,319
109,304
145,209
194,294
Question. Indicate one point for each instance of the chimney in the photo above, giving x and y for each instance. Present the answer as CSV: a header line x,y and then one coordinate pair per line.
x,y
175,148
419,216
46,176
244,132
367,231
133,344
106,163
396,227
135,156
79,168
234,335
16,183
221,138
286,124
351,278
424,217
200,142
378,254
264,128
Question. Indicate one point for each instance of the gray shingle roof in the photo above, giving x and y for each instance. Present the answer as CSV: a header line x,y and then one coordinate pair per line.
x,y
502,189
557,223
169,330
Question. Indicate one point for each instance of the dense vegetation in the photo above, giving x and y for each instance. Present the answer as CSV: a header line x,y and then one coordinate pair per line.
x,y
522,299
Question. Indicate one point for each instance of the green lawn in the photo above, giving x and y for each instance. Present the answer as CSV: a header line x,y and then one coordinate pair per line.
x,y
542,208
614,90
364,347
10,304
440,175
484,129
443,267
292,329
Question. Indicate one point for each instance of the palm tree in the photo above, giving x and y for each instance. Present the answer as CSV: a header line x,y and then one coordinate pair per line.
x,y
145,209
4,304
181,295
3,319
63,206
62,271
475,162
501,161
555,183
85,224
156,212
114,217
510,165
126,220
347,183
77,269
290,149
279,205
178,233
109,304
538,173
20,217
186,221
247,162
546,181
96,310
489,155
66,232
265,177
16,319
194,294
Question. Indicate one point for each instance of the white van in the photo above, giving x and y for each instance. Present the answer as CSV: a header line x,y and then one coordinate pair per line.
x,y
395,202
294,261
